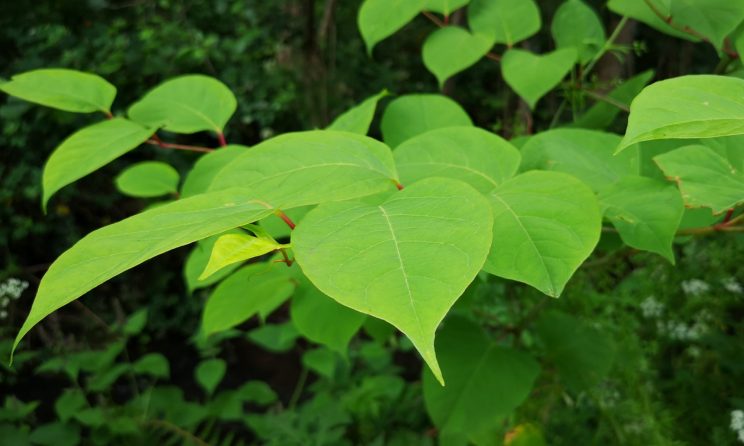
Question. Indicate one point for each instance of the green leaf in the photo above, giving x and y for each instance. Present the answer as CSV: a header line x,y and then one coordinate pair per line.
x,y
324,321
254,289
209,374
699,106
135,323
71,401
305,168
358,119
646,213
714,19
480,158
485,382
56,434
639,10
405,261
413,114
153,364
545,225
90,149
379,19
277,227
148,179
200,176
582,353
704,177
186,104
68,90
585,154
321,361
505,21
576,25
197,260
444,7
113,249
234,248
532,76
452,49
601,115
277,338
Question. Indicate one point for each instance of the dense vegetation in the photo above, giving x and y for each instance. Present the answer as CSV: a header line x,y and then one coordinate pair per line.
x,y
517,150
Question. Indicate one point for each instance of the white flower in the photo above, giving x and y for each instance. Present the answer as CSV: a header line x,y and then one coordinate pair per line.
x,y
695,287
650,307
737,420
732,285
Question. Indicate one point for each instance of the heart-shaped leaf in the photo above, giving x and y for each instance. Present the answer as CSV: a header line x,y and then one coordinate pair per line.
x,y
186,104
705,178
68,90
405,261
505,21
148,179
545,225
451,49
414,114
379,19
532,76
475,156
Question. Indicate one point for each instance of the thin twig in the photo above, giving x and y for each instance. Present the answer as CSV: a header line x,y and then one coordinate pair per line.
x,y
609,100
168,145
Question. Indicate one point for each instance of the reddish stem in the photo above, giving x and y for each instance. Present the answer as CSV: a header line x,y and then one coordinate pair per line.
x,y
108,114
221,139
154,140
398,185
286,218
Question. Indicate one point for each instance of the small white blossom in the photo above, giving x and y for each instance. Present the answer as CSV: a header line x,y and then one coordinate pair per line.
x,y
651,308
732,286
737,420
13,288
3,314
695,287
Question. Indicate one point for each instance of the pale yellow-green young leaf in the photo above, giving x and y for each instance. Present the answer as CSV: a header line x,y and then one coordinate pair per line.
x,y
505,21
532,76
233,248
452,49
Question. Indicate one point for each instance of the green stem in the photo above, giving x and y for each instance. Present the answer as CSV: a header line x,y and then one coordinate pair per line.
x,y
606,47
297,393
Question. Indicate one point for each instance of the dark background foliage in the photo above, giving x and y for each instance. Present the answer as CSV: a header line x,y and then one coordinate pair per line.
x,y
295,64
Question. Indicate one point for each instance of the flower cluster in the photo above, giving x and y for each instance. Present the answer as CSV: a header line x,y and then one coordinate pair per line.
x,y
737,423
10,289
732,286
651,308
695,287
